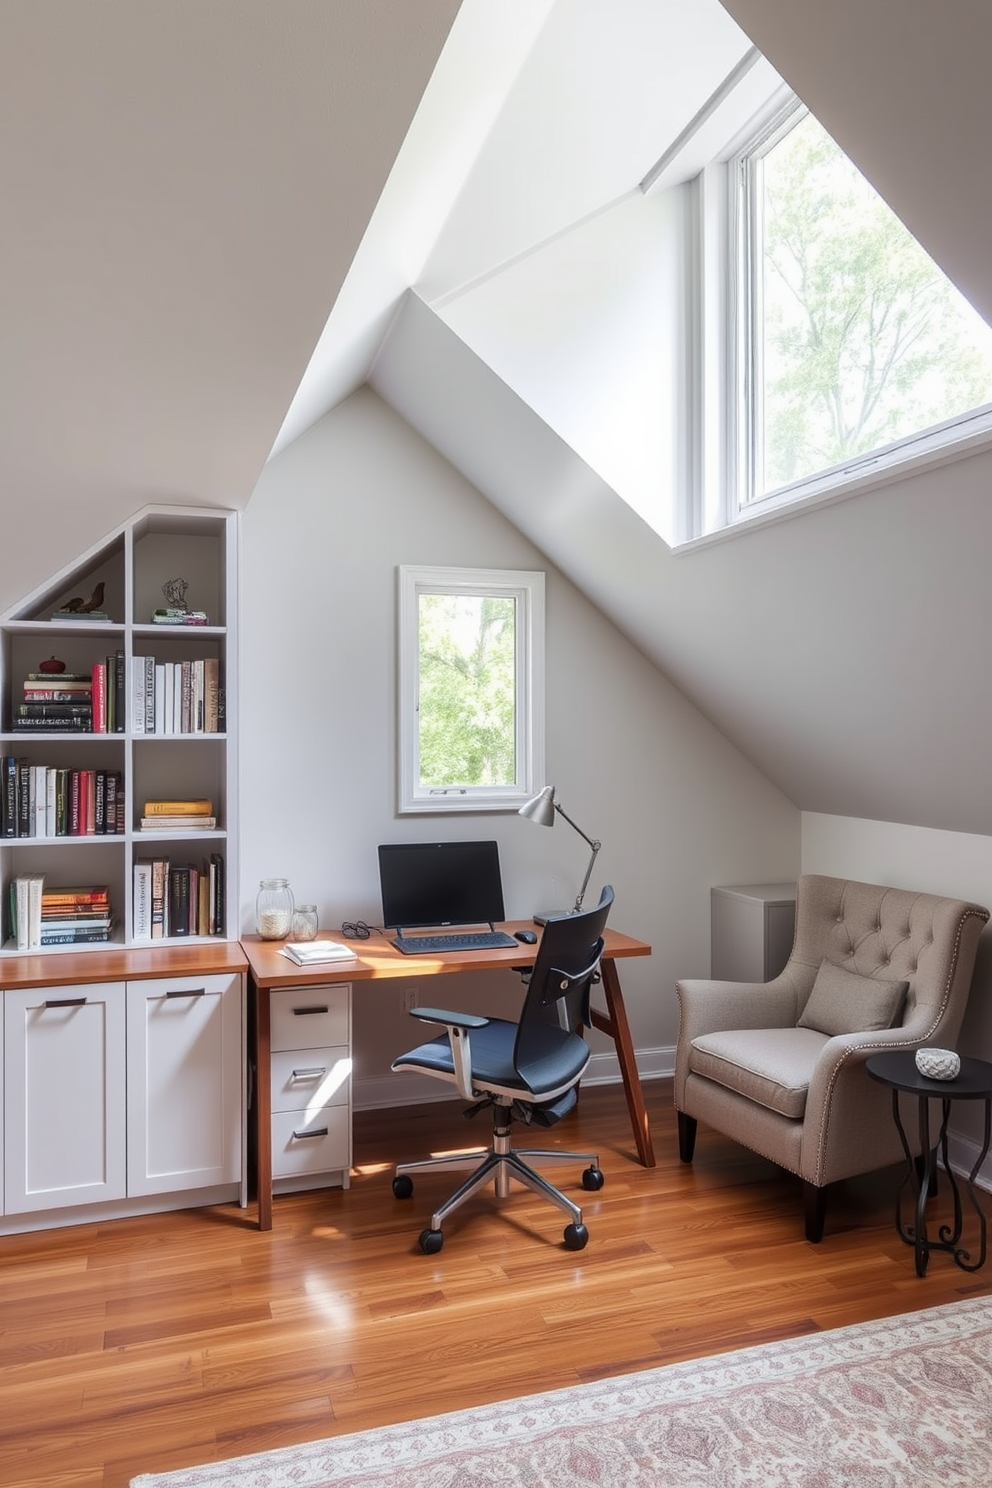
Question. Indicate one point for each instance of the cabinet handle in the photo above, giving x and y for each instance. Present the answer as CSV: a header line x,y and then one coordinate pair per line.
x,y
192,992
60,1002
317,1131
310,1074
301,1012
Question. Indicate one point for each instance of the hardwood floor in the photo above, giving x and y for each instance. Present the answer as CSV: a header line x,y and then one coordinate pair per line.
x,y
148,1344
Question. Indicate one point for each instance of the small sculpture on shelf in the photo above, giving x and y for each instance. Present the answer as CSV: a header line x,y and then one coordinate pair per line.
x,y
83,608
177,611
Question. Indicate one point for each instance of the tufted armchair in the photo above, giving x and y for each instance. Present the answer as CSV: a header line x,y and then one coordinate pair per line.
x,y
780,1066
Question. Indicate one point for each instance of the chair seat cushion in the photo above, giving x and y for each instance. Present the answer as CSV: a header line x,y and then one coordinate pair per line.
x,y
843,1002
564,1057
772,1066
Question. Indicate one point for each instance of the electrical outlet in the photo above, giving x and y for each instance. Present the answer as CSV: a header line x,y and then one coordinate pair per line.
x,y
409,998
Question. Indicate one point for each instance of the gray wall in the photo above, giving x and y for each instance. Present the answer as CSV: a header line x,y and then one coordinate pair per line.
x,y
676,806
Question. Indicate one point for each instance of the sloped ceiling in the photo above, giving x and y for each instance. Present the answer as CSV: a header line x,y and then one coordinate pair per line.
x,y
185,184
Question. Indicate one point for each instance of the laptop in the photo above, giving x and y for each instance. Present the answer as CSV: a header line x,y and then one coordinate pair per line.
x,y
432,885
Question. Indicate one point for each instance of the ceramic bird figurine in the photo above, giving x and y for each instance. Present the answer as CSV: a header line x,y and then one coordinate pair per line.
x,y
80,606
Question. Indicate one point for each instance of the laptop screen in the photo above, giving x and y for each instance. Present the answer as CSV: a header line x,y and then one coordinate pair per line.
x,y
440,883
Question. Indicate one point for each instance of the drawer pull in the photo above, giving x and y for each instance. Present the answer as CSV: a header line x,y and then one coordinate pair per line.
x,y
302,1012
317,1131
190,992
61,1002
310,1074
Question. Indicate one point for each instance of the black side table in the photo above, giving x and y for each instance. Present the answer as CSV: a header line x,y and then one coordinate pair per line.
x,y
974,1082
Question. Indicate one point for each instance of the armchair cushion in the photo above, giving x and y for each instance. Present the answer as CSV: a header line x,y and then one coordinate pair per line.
x,y
843,1002
771,1066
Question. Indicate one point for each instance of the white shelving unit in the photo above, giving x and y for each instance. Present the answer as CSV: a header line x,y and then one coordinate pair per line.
x,y
133,563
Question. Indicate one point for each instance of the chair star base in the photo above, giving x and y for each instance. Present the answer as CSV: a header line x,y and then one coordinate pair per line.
x,y
499,1165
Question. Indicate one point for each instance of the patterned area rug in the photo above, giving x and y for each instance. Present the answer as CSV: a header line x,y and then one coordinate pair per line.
x,y
893,1404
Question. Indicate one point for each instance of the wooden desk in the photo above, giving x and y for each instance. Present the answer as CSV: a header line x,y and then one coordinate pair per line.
x,y
378,958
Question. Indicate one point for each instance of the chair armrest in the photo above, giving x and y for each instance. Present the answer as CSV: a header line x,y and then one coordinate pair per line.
x,y
452,1020
459,1026
714,1007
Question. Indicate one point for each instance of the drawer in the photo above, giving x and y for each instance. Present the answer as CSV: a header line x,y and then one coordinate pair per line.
x,y
310,1017
318,1144
309,1078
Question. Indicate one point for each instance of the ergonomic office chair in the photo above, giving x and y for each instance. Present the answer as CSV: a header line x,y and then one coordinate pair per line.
x,y
527,1070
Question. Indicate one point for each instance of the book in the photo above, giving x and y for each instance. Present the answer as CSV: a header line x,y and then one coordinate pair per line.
x,y
72,922
53,725
100,803
57,679
85,894
179,808
141,928
211,687
306,952
90,617
27,910
178,900
71,691
178,823
110,805
55,709
39,792
75,937
218,881
160,906
98,697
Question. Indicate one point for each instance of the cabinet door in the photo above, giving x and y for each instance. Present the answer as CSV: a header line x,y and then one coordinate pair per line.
x,y
64,1096
184,1083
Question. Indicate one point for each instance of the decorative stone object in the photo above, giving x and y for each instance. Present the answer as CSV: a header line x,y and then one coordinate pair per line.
x,y
938,1064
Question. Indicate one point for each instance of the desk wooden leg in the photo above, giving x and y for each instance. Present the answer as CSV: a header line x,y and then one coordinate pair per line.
x,y
260,1114
614,1023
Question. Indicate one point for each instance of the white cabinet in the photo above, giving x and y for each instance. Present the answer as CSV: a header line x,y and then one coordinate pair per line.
x,y
64,1084
311,1086
752,928
161,754
184,1083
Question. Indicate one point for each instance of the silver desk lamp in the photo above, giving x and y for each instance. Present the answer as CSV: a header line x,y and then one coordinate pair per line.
x,y
541,809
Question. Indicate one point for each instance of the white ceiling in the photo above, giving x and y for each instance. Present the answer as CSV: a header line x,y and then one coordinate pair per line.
x,y
198,194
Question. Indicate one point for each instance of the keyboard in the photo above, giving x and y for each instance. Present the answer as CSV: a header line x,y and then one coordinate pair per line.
x,y
473,940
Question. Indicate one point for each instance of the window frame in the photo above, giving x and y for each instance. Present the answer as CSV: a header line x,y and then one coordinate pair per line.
x,y
526,588
949,440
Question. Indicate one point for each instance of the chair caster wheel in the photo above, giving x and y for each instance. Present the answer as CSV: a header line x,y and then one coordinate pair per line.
x,y
592,1180
403,1186
576,1237
430,1241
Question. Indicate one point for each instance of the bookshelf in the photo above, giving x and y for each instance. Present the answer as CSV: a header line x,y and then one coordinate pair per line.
x,y
128,569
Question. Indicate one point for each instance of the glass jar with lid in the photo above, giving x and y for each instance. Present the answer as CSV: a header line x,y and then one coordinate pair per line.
x,y
304,922
274,909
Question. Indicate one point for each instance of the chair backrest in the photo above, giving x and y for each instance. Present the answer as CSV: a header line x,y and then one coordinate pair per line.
x,y
924,939
566,965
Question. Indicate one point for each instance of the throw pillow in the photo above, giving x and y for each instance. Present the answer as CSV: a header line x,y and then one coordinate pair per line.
x,y
842,1002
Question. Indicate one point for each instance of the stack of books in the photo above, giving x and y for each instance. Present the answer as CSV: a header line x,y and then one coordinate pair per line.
x,y
179,816
312,952
76,916
56,702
